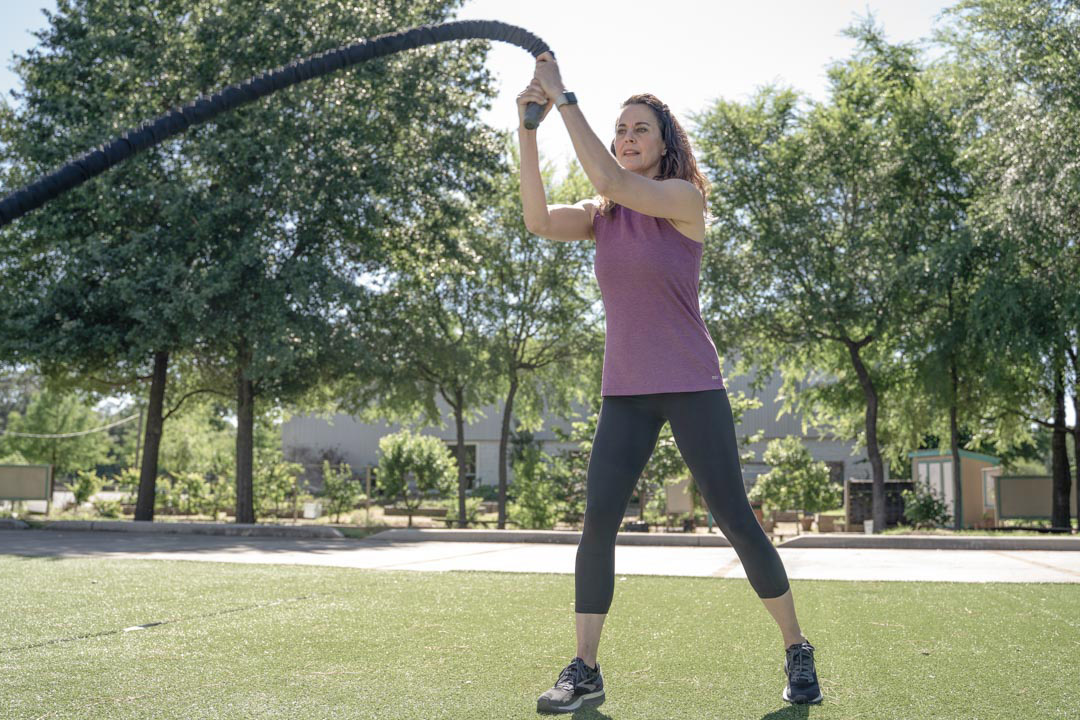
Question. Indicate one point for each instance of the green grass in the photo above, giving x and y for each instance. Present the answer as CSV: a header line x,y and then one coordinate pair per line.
x,y
265,641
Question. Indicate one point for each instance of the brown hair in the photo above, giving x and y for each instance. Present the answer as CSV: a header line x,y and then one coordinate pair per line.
x,y
678,161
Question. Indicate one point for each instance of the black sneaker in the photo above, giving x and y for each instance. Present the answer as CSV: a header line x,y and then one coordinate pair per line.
x,y
802,685
578,685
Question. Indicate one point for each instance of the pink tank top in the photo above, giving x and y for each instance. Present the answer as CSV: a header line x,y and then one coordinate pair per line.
x,y
656,341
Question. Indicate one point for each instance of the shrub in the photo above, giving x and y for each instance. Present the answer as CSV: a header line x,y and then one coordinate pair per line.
x,y
796,480
221,494
127,482
536,505
487,493
191,491
275,485
86,485
472,511
340,489
412,467
923,507
107,508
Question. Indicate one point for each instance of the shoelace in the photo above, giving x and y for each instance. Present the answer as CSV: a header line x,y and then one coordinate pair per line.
x,y
801,664
571,675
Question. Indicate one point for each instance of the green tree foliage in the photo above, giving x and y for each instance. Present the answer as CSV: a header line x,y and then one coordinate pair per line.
x,y
536,488
243,242
1018,78
341,490
824,212
415,467
539,299
795,480
86,485
51,412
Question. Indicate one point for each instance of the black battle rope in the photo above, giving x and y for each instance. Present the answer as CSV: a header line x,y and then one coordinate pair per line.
x,y
206,108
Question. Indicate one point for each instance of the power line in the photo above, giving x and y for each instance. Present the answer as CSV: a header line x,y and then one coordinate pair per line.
x,y
58,436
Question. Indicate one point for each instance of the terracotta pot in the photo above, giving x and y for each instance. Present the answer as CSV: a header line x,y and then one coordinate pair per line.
x,y
826,523
807,522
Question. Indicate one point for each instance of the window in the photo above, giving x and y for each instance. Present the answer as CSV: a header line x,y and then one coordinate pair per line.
x,y
470,463
836,472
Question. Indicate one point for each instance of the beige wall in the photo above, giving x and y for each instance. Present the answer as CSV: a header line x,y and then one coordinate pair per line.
x,y
1029,496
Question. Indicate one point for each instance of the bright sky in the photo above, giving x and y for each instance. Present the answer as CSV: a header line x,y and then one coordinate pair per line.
x,y
686,52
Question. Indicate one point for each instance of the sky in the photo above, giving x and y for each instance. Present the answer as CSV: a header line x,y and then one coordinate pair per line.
x,y
686,52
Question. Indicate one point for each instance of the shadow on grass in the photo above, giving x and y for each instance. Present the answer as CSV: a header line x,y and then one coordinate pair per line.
x,y
589,713
791,712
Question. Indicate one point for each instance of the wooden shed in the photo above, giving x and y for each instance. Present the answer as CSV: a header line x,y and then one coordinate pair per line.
x,y
978,500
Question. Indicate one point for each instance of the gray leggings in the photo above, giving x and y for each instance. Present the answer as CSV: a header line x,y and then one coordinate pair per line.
x,y
704,432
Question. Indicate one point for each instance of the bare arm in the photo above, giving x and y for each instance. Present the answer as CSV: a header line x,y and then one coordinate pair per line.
x,y
672,198
555,222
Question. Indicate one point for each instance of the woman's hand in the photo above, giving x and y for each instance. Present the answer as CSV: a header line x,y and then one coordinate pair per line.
x,y
547,72
533,93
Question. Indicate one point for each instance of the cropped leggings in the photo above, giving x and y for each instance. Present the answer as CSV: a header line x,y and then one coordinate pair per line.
x,y
704,431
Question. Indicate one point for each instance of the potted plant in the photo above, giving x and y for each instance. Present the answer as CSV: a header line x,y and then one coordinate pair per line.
x,y
807,521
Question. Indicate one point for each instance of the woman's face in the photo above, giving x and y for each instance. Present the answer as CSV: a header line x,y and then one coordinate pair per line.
x,y
638,144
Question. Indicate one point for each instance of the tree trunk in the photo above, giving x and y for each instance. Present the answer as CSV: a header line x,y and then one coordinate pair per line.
x,y
1060,514
954,433
459,421
245,448
144,505
877,467
1074,355
504,438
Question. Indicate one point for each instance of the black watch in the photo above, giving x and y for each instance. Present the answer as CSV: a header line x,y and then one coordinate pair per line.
x,y
565,98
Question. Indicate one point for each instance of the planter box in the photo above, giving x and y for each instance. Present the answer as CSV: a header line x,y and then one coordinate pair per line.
x,y
421,512
636,526
826,523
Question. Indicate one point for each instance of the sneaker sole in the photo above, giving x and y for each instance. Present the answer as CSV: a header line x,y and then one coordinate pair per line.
x,y
800,700
590,699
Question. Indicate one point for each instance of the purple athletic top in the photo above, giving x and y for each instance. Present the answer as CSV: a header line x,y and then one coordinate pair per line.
x,y
656,341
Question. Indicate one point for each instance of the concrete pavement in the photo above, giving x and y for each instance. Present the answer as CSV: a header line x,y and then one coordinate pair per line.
x,y
381,554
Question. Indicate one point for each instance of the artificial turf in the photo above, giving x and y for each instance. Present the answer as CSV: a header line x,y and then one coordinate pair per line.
x,y
298,642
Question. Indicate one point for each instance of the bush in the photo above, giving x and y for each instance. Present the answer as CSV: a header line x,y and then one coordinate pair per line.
x,y
191,491
487,493
275,485
536,505
107,508
87,484
221,494
472,511
340,489
412,467
923,507
127,482
796,480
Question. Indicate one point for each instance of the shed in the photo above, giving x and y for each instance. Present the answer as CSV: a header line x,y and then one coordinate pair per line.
x,y
978,500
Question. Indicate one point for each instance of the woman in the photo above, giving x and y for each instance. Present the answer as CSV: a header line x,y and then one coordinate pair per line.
x,y
660,363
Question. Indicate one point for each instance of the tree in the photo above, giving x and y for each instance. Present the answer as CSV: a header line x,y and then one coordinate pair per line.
x,y
258,227
1018,77
795,479
535,294
824,216
412,467
53,413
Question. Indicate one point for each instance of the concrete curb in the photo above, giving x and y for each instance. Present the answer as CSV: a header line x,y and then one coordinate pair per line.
x,y
236,529
932,542
12,524
409,535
